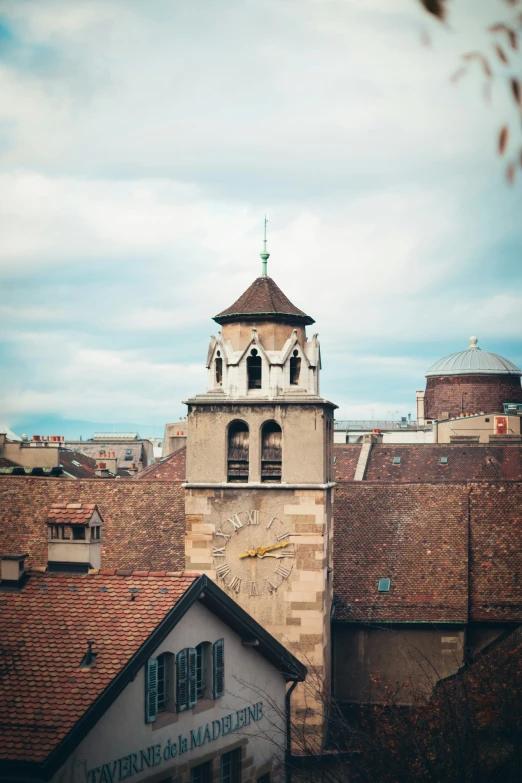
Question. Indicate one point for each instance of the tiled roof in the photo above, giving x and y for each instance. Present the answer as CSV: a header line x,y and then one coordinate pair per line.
x,y
171,468
7,463
416,535
144,522
263,297
71,513
76,464
421,462
45,629
345,461
496,546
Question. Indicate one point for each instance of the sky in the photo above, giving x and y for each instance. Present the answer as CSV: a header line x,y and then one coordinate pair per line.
x,y
142,143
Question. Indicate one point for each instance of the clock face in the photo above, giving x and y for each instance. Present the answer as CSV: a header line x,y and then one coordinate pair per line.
x,y
253,553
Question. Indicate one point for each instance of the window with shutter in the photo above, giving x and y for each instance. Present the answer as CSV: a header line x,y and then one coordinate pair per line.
x,y
151,690
192,677
218,667
186,679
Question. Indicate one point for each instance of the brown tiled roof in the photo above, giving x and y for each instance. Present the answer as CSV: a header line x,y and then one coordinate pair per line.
x,y
496,547
345,461
263,297
416,535
86,468
171,468
45,629
144,522
71,513
421,462
7,463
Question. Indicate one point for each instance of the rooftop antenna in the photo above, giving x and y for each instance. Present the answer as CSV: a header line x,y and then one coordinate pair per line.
x,y
264,255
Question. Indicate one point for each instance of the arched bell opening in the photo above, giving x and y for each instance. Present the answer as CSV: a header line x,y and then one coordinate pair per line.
x,y
254,369
219,369
295,368
238,448
271,452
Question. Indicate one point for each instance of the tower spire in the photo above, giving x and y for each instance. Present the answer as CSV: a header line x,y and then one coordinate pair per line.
x,y
264,255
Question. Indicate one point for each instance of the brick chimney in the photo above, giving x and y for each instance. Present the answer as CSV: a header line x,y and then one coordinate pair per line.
x,y
13,573
74,537
106,464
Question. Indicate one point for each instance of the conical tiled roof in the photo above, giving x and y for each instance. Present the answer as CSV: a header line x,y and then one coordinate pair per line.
x,y
264,298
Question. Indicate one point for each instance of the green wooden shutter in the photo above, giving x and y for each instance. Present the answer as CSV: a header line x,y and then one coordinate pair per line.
x,y
218,668
192,677
182,680
151,690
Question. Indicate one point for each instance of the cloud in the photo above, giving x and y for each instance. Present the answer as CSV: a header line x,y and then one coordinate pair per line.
x,y
141,144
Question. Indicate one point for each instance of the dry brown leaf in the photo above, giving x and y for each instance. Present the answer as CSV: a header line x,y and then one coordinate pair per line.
x,y
501,54
502,139
436,8
510,173
469,56
515,89
458,75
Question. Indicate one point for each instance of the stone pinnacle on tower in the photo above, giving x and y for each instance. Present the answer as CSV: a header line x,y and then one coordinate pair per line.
x,y
264,255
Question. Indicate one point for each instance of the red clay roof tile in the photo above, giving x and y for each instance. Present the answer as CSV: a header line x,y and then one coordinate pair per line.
x,y
42,684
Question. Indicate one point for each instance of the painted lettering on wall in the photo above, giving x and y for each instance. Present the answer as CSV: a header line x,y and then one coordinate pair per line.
x,y
159,753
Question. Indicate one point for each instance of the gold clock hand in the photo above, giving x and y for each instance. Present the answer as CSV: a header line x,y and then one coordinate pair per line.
x,y
249,553
261,550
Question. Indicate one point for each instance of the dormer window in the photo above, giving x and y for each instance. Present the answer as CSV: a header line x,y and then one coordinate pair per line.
x,y
78,533
295,368
219,369
254,369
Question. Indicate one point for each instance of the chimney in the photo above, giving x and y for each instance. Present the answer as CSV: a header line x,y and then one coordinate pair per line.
x,y
13,573
106,466
74,537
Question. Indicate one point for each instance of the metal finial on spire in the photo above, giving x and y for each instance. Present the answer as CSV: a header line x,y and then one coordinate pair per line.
x,y
264,255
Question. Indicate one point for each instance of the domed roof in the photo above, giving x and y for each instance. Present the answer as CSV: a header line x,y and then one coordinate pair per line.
x,y
473,361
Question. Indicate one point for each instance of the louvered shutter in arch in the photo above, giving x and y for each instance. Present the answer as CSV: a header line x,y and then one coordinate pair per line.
x,y
192,677
218,667
182,680
151,690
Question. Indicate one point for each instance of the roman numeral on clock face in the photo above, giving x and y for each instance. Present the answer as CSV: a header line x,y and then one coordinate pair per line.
x,y
283,572
235,584
287,553
253,517
235,522
252,588
271,523
223,535
271,586
218,551
283,535
223,570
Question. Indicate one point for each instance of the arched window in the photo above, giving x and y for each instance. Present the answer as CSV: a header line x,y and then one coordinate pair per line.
x,y
295,368
237,451
204,670
271,452
219,369
166,682
254,369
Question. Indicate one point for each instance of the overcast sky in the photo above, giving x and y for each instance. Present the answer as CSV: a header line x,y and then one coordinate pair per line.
x,y
141,144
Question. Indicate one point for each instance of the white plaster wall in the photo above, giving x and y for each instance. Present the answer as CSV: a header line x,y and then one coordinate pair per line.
x,y
249,678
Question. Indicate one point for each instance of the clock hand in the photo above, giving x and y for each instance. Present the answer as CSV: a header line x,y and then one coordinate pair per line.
x,y
261,550
249,553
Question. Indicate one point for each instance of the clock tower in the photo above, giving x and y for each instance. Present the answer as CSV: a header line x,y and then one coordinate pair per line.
x,y
259,477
